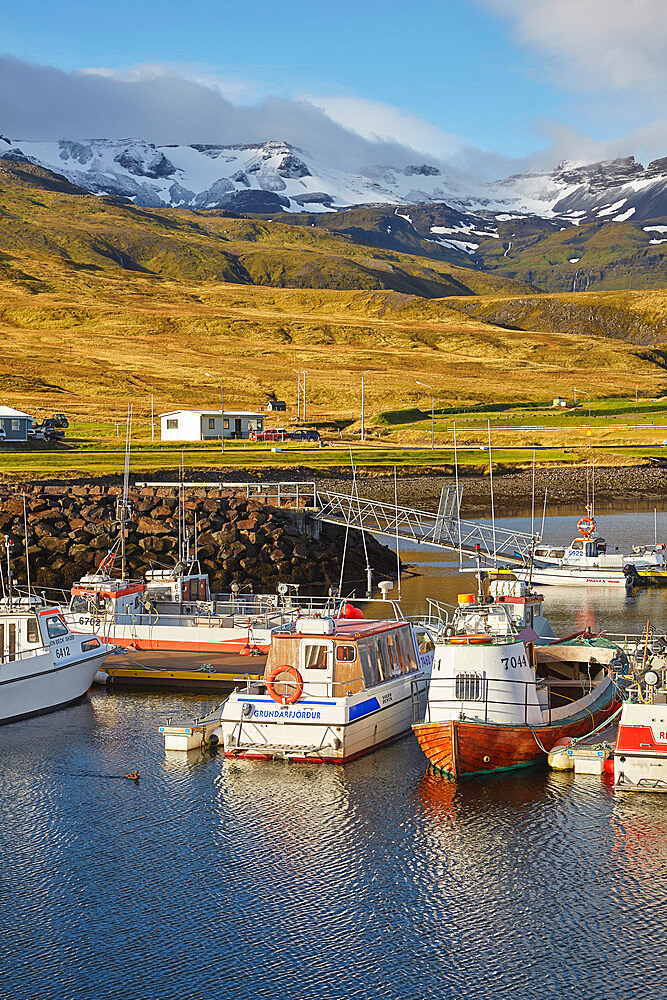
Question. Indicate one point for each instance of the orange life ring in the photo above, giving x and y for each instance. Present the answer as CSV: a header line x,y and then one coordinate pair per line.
x,y
472,639
298,680
586,526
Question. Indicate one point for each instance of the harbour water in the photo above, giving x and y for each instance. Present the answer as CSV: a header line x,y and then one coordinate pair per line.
x,y
253,880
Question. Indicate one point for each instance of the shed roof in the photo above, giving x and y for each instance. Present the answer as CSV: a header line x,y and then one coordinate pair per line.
x,y
9,411
215,413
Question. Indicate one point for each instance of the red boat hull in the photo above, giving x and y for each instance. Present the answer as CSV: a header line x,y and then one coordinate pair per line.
x,y
465,749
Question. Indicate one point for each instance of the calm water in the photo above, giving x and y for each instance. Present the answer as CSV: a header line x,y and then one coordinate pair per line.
x,y
252,880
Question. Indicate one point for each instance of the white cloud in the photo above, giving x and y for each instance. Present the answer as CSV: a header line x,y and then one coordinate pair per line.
x,y
596,43
381,122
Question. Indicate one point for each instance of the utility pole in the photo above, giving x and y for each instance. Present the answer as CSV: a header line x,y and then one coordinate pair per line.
x,y
584,393
432,412
222,410
152,420
363,429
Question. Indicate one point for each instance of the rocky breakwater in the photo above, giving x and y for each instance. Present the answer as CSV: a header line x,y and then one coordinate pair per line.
x,y
71,528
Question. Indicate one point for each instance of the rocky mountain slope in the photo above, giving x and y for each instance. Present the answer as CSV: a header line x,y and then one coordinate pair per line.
x,y
275,176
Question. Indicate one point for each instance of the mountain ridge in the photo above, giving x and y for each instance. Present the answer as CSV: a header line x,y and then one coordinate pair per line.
x,y
276,176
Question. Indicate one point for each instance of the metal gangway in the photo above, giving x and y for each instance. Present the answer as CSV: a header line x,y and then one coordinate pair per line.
x,y
444,529
283,493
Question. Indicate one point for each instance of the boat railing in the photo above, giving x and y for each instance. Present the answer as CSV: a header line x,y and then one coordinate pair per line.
x,y
472,688
250,685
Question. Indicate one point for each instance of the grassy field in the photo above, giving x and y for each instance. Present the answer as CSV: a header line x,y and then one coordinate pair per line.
x,y
104,304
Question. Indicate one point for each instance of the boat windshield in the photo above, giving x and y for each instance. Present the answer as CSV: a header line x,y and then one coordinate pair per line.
x,y
55,627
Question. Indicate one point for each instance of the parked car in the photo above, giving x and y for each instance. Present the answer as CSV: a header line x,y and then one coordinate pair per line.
x,y
305,435
269,435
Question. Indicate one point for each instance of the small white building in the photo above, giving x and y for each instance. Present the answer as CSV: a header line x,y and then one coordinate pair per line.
x,y
206,425
559,401
14,424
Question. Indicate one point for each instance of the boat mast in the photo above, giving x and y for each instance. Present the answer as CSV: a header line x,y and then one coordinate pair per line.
x,y
126,482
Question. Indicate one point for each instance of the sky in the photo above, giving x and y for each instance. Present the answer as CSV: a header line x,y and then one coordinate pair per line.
x,y
498,84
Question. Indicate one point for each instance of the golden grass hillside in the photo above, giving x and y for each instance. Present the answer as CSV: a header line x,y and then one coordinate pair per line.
x,y
102,303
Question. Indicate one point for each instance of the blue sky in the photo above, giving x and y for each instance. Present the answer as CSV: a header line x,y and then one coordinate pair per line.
x,y
508,76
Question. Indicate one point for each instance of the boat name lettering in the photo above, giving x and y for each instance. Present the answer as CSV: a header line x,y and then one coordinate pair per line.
x,y
513,661
61,652
279,713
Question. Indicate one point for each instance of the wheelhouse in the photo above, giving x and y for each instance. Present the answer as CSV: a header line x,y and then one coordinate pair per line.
x,y
339,658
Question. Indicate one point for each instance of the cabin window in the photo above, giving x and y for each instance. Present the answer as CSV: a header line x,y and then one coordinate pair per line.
x,y
211,423
406,649
79,605
32,632
369,662
55,626
346,654
470,687
315,657
541,552
558,553
172,425
425,643
577,544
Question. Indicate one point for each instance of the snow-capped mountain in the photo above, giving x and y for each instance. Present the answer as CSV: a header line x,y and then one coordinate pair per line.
x,y
275,176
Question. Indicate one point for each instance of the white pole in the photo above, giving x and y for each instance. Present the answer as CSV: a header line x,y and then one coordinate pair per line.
x,y
493,514
398,556
458,496
532,509
304,397
152,420
27,557
544,512
363,432
655,525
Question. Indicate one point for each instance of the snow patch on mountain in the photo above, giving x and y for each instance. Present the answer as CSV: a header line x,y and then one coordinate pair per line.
x,y
275,176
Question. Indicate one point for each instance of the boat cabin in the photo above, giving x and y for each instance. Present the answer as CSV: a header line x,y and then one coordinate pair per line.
x,y
335,657
27,628
96,597
180,585
509,608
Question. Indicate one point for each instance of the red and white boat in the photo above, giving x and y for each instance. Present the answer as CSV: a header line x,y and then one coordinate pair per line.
x,y
640,755
173,612
499,699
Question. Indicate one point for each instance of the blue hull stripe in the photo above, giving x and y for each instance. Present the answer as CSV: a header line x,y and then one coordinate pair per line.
x,y
363,708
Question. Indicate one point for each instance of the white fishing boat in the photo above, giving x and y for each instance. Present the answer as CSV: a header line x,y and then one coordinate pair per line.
x,y
640,754
332,690
586,562
174,612
501,696
43,664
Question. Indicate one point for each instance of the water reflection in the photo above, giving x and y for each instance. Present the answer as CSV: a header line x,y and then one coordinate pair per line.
x,y
379,880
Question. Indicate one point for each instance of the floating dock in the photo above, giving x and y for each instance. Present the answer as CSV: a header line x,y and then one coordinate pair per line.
x,y
167,670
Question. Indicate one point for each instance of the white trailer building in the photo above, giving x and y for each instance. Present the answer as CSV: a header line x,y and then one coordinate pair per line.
x,y
206,425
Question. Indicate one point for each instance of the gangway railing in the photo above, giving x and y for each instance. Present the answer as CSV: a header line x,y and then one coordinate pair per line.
x,y
284,493
443,529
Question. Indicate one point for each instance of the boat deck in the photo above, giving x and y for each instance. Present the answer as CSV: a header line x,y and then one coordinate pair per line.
x,y
184,671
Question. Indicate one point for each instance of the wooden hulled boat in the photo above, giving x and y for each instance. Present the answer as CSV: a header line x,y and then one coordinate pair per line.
x,y
503,701
465,749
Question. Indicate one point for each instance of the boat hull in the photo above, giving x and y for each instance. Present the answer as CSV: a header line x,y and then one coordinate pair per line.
x,y
467,749
546,576
640,755
40,686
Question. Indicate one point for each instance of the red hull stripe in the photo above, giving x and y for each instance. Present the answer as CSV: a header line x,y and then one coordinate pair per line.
x,y
321,760
225,646
638,738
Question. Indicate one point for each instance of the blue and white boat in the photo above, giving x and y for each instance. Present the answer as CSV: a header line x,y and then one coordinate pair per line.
x,y
332,691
